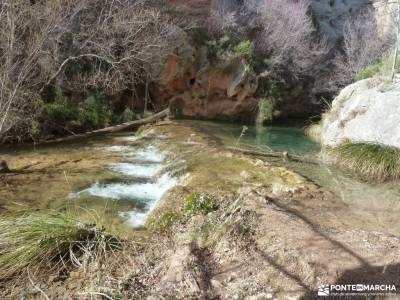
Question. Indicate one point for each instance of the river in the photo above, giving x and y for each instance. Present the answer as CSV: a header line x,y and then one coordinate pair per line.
x,y
122,177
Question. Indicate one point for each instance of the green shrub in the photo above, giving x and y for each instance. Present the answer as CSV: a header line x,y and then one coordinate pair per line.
x,y
164,222
94,112
245,50
140,130
332,2
200,203
52,241
61,109
127,115
369,71
370,161
382,66
266,111
225,48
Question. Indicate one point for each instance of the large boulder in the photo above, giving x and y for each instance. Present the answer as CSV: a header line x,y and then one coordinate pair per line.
x,y
367,111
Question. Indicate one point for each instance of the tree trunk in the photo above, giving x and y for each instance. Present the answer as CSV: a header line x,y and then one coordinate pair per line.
x,y
117,128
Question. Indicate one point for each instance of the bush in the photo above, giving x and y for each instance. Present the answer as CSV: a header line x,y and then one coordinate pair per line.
x,y
266,110
370,71
94,112
127,115
245,50
164,222
61,110
370,161
226,47
51,241
200,203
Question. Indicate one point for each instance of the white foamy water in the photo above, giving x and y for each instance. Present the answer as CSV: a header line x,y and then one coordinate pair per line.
x,y
129,169
148,193
143,191
150,154
117,149
132,138
137,219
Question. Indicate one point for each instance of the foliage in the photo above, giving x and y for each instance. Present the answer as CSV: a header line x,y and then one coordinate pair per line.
x,y
245,49
61,110
200,203
94,112
140,130
127,115
370,161
227,47
314,18
106,55
164,222
266,110
53,241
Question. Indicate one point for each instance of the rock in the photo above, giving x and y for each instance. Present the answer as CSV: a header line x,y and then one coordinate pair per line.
x,y
364,112
4,167
193,87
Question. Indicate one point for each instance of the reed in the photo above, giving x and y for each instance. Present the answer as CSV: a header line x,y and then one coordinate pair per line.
x,y
373,162
50,242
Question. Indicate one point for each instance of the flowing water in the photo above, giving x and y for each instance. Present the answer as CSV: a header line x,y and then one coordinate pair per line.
x,y
121,177
118,177
377,204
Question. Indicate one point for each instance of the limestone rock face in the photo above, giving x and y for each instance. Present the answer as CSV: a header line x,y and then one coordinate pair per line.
x,y
194,87
366,111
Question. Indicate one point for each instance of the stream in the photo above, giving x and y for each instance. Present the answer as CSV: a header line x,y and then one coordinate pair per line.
x,y
122,177
377,204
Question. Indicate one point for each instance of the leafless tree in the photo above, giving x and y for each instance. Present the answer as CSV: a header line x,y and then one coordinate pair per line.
x,y
224,17
24,32
121,44
287,35
86,44
363,44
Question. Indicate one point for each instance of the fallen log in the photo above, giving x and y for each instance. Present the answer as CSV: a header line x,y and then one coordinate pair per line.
x,y
112,129
283,155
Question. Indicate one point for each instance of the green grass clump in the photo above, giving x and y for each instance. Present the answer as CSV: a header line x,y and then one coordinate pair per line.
x,y
164,222
200,203
49,242
372,162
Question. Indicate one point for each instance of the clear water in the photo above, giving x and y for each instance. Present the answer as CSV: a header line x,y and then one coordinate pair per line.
x,y
123,179
377,205
288,139
117,177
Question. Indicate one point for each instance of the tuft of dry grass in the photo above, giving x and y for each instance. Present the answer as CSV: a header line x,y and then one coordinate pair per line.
x,y
314,132
49,241
373,162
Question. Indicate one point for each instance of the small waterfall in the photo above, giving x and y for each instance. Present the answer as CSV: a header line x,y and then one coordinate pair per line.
x,y
149,181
